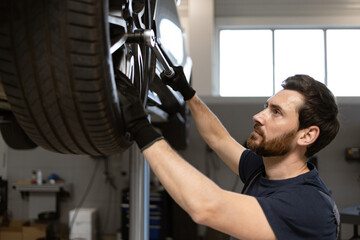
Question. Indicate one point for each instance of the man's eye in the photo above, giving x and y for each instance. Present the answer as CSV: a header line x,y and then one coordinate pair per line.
x,y
277,111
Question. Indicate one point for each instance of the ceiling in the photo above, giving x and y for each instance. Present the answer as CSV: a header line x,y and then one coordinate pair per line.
x,y
253,8
225,8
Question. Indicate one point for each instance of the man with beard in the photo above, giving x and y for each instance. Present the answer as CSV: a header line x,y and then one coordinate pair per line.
x,y
283,196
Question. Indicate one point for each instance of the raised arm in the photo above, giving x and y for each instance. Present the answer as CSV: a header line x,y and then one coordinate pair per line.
x,y
209,126
215,134
236,214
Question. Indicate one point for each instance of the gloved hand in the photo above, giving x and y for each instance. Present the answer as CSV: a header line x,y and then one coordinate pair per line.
x,y
179,83
135,118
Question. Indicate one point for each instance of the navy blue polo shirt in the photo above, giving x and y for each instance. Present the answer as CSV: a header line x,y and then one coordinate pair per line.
x,y
296,207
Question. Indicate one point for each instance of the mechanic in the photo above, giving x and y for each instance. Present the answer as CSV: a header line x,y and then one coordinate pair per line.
x,y
283,196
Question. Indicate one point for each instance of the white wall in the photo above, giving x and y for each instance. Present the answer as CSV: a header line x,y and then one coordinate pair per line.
x,y
197,19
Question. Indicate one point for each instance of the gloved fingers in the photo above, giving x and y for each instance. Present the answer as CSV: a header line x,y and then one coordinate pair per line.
x,y
179,71
166,79
122,81
125,87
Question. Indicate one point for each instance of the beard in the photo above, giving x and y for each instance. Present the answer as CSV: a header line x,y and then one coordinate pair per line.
x,y
278,146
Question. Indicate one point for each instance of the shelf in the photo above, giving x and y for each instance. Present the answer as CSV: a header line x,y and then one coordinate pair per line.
x,y
47,187
43,197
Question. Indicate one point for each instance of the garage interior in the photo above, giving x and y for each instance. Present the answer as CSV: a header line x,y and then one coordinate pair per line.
x,y
100,185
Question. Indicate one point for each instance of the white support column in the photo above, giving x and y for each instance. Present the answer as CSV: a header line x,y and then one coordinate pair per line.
x,y
201,40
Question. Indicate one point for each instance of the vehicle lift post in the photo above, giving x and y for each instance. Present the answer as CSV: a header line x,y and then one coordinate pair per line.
x,y
139,195
139,168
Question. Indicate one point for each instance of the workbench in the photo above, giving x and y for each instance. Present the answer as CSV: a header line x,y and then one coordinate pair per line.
x,y
351,215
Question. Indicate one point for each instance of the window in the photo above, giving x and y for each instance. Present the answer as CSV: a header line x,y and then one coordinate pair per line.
x,y
255,62
298,52
343,51
246,63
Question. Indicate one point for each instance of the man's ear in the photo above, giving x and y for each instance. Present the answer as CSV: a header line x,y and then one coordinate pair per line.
x,y
308,135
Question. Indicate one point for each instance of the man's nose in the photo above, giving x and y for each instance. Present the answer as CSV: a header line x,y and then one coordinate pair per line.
x,y
260,117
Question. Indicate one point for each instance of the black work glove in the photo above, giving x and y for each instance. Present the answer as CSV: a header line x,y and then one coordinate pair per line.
x,y
179,83
135,118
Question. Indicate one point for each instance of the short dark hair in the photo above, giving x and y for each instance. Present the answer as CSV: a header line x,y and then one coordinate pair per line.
x,y
319,109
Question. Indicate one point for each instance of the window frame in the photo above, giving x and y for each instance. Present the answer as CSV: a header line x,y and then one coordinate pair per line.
x,y
277,23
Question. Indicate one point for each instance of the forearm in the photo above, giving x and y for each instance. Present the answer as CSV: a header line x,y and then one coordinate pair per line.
x,y
215,134
208,125
186,185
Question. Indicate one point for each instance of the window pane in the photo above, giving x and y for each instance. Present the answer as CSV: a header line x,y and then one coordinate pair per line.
x,y
246,63
299,52
343,51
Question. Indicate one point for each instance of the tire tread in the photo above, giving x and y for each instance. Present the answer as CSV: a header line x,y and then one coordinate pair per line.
x,y
56,89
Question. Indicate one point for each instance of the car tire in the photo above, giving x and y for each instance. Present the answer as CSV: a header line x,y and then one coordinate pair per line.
x,y
57,65
13,135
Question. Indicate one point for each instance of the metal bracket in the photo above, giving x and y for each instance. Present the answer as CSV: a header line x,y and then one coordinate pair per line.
x,y
147,37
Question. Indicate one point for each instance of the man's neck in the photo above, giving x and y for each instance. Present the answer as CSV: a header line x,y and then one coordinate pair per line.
x,y
278,168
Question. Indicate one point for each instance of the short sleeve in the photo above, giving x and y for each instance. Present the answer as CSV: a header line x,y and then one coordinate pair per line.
x,y
299,213
249,163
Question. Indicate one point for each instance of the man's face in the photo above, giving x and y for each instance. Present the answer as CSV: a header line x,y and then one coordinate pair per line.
x,y
276,127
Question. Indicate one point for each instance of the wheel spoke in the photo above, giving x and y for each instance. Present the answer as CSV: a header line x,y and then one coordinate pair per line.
x,y
138,12
119,29
117,42
116,20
